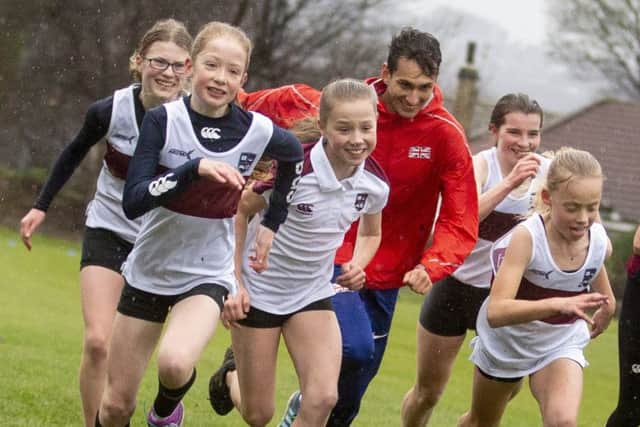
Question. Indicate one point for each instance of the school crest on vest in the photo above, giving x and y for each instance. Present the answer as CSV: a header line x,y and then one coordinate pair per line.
x,y
589,274
245,162
361,199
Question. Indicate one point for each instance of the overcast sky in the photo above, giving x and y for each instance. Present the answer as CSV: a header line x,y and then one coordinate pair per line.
x,y
524,21
512,53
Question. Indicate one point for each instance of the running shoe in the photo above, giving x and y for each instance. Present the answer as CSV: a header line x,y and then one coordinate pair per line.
x,y
293,406
219,395
173,420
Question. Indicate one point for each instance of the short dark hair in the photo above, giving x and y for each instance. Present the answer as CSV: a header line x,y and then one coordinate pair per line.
x,y
416,45
511,103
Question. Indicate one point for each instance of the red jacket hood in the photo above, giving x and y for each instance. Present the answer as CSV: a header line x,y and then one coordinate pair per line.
x,y
435,104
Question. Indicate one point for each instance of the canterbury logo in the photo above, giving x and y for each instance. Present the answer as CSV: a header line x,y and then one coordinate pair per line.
x,y
635,368
162,185
210,133
305,209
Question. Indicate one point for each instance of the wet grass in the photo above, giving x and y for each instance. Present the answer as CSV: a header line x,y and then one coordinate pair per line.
x,y
40,343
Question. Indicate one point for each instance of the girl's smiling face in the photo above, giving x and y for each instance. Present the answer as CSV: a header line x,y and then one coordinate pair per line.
x,y
219,71
162,85
518,136
349,134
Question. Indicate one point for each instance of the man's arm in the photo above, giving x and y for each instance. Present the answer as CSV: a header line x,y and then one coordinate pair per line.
x,y
456,230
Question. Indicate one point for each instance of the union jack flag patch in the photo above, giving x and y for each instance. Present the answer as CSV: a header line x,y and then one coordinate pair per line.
x,y
419,152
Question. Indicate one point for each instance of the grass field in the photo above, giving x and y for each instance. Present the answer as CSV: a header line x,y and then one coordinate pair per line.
x,y
40,343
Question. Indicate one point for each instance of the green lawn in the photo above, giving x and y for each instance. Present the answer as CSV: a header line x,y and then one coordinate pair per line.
x,y
40,343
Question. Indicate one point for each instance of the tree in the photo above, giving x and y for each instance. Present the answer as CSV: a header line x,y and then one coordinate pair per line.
x,y
64,54
301,40
601,36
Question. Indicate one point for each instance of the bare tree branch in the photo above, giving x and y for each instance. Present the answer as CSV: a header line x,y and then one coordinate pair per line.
x,y
600,36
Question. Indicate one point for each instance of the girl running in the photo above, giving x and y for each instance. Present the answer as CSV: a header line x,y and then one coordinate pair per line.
x,y
627,413
292,295
159,67
507,176
535,321
186,178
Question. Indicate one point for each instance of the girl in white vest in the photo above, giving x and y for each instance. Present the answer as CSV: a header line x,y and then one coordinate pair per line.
x,y
184,181
507,176
291,296
159,66
537,320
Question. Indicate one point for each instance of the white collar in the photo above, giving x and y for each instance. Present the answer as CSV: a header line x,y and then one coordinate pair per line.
x,y
324,171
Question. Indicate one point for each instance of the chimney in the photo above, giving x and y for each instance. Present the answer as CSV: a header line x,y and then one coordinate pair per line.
x,y
467,93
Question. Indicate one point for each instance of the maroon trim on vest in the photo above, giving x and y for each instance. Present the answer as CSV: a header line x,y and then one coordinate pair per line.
x,y
633,265
372,166
497,224
117,162
531,292
206,199
307,167
259,187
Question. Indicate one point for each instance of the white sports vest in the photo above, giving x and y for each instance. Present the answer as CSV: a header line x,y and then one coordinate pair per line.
x,y
105,210
191,240
519,350
476,269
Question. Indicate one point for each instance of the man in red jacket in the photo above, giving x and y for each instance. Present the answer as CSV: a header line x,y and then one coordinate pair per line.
x,y
423,150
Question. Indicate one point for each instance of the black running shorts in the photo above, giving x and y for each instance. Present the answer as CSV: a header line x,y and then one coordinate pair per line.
x,y
104,248
262,319
451,307
155,308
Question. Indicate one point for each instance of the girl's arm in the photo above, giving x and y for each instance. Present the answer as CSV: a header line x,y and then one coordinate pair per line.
x,y
145,189
250,204
94,128
504,309
602,316
636,242
367,243
527,167
609,244
236,306
286,149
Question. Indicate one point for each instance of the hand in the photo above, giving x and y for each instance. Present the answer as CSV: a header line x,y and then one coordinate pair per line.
x,y
601,319
576,306
235,308
29,224
526,167
353,276
264,240
417,279
221,172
